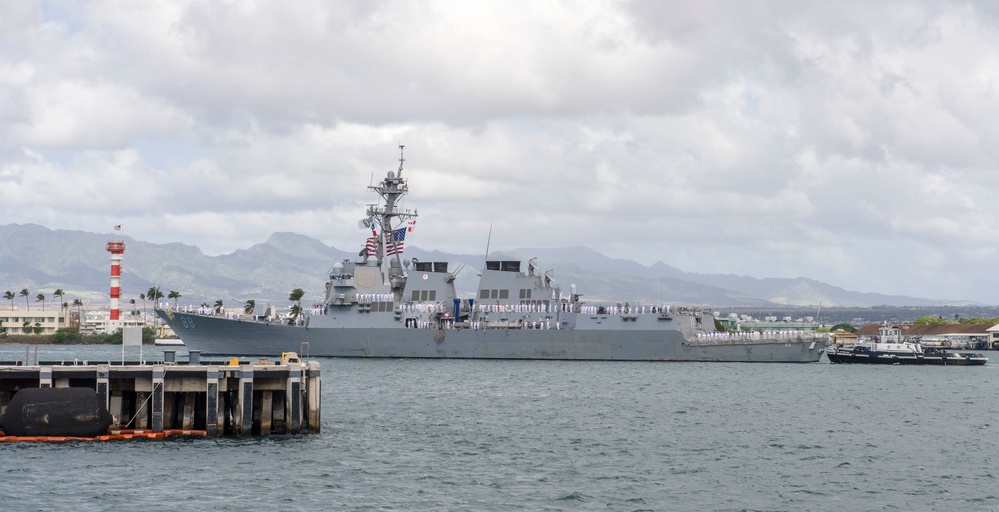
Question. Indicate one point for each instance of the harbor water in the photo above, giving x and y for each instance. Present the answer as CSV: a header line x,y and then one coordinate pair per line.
x,y
559,435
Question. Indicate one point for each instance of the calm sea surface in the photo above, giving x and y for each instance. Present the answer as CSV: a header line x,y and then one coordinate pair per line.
x,y
537,435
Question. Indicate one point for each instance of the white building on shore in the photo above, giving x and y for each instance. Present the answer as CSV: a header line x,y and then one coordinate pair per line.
x,y
32,321
20,321
99,322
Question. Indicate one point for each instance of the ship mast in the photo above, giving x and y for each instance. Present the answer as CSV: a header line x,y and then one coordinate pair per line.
x,y
388,216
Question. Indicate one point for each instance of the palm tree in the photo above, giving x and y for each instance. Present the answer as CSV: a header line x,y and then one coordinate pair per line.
x,y
249,307
38,328
296,296
218,306
61,294
62,305
132,302
9,295
175,296
143,297
26,327
79,312
154,294
41,298
25,293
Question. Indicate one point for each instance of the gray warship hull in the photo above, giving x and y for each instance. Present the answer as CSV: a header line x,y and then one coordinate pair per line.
x,y
647,338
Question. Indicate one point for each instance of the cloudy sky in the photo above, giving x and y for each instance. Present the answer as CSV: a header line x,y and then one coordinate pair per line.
x,y
850,142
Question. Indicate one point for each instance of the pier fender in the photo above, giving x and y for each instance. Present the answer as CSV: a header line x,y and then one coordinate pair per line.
x,y
76,412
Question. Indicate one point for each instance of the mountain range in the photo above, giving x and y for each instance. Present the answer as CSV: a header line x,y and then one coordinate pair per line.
x,y
41,260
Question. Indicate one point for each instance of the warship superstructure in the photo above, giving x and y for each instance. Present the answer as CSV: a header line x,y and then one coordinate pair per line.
x,y
381,305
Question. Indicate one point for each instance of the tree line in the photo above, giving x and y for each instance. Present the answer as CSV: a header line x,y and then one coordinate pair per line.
x,y
939,320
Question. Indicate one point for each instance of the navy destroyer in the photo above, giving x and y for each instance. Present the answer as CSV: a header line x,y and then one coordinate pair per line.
x,y
381,305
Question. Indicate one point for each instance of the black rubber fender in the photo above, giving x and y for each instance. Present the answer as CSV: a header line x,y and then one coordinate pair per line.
x,y
75,412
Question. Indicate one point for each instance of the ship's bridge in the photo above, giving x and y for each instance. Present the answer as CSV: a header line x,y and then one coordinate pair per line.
x,y
429,281
503,283
430,266
503,266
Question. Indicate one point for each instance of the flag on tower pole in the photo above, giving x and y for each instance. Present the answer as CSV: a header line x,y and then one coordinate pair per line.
x,y
398,240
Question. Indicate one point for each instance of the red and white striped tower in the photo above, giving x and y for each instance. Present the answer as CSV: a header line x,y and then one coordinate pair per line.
x,y
117,250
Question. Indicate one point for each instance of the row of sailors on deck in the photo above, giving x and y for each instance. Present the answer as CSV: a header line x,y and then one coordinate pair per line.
x,y
751,335
211,311
540,323
367,298
516,308
424,307
201,310
440,307
623,310
420,323
207,310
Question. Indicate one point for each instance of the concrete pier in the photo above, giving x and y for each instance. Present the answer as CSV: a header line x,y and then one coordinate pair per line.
x,y
229,398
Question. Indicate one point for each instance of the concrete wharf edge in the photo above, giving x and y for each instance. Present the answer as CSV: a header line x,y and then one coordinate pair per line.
x,y
260,398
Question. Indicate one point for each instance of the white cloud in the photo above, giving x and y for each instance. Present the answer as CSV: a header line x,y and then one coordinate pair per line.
x,y
851,143
79,115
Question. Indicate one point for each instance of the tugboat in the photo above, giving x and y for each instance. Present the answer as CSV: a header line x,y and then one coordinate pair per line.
x,y
890,346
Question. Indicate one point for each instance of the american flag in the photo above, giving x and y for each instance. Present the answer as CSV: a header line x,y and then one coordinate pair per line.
x,y
398,240
118,227
372,245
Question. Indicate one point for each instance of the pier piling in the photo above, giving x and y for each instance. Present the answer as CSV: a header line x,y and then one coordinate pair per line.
x,y
211,399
